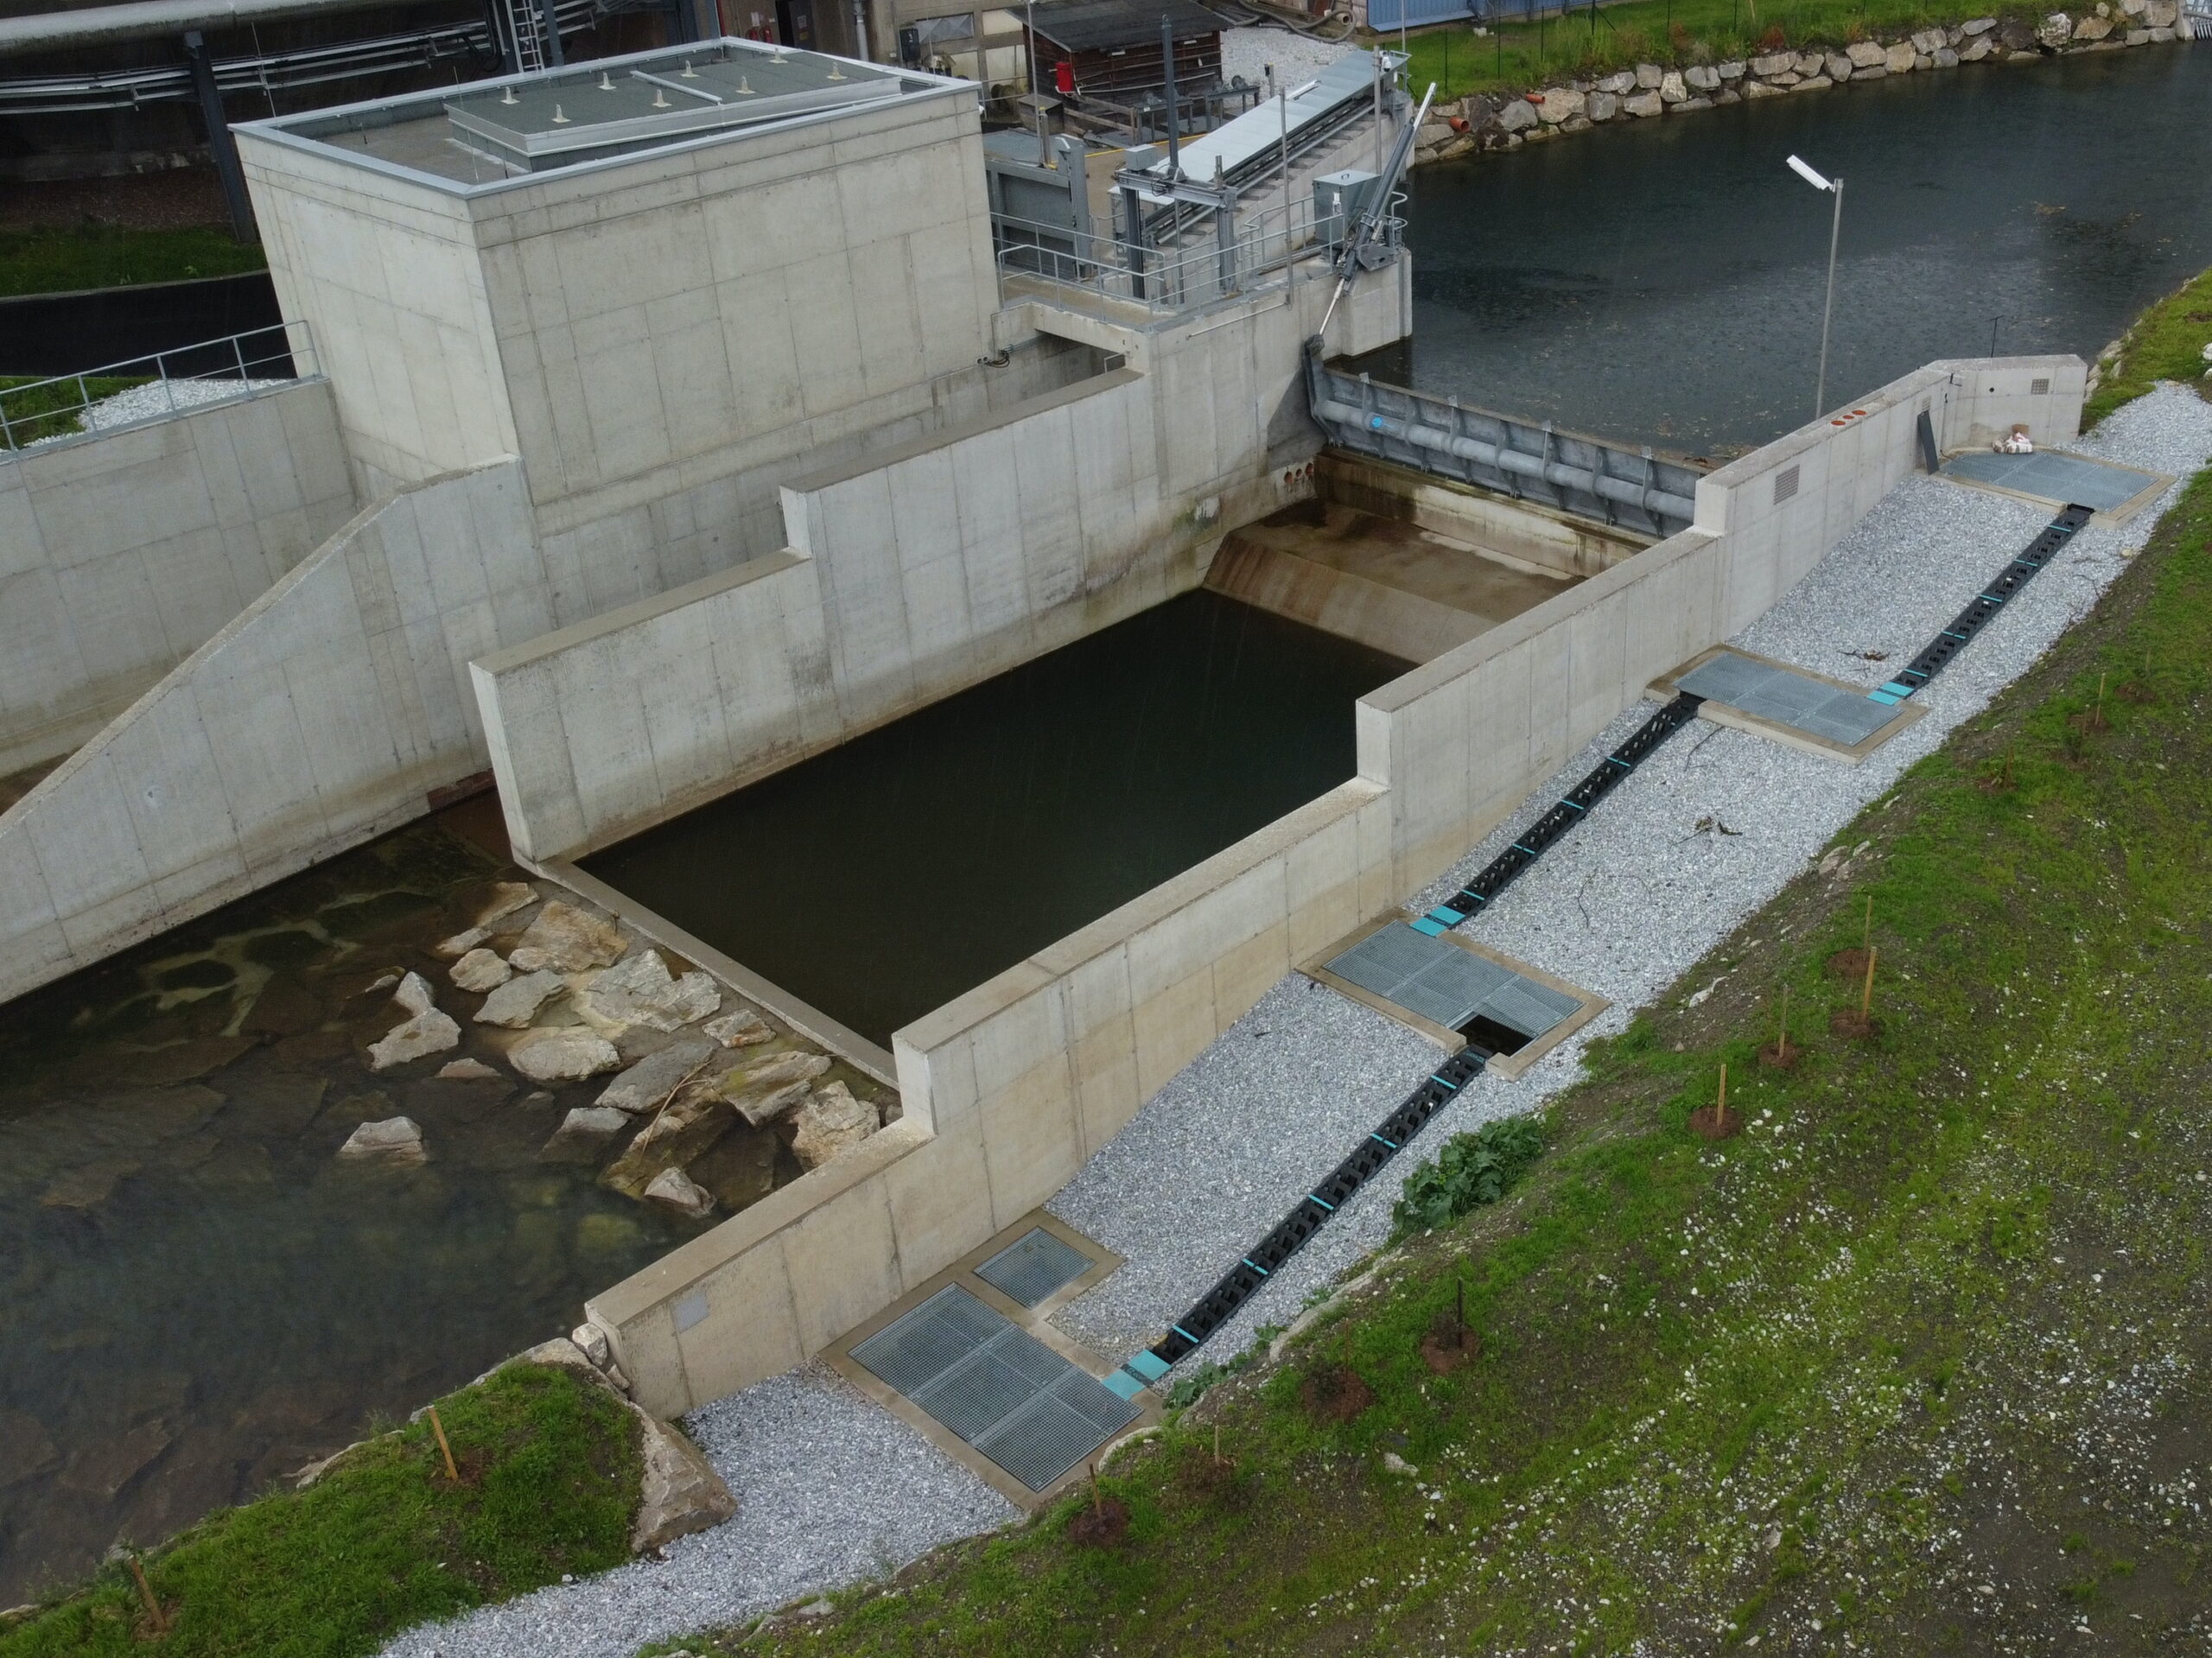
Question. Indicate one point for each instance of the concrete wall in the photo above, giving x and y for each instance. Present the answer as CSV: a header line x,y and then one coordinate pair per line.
x,y
321,716
1009,1088
122,552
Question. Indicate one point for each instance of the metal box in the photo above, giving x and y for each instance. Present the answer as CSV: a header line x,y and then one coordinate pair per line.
x,y
1339,198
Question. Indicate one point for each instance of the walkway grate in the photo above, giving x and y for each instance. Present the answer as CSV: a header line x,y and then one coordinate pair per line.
x,y
1449,985
2052,475
1834,713
995,1385
1034,1265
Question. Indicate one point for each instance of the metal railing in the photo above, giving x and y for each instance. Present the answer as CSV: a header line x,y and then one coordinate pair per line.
x,y
1076,266
141,389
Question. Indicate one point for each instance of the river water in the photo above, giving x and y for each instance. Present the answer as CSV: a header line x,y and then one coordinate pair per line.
x,y
1660,281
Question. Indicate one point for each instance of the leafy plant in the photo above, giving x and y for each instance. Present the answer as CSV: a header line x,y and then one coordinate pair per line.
x,y
1470,1170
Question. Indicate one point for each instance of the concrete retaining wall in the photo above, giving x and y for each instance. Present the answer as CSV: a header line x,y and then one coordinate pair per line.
x,y
321,716
1009,1088
123,552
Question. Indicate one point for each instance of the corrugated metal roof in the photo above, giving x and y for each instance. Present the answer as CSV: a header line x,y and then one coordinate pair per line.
x,y
1258,130
1097,25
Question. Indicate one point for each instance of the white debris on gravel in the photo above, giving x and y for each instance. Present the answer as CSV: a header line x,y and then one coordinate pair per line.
x,y
831,1490
1297,58
1623,905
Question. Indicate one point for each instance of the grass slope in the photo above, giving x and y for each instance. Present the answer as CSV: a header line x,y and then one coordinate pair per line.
x,y
1918,1363
53,409
1665,32
2167,342
549,1483
108,256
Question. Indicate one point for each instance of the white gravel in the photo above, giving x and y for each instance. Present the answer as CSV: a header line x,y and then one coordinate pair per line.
x,y
832,1489
154,399
1296,58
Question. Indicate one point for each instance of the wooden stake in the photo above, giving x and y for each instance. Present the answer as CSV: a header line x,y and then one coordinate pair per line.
x,y
1721,1107
1866,934
1783,1051
1216,1445
154,1618
1867,996
2097,719
439,1428
1097,1503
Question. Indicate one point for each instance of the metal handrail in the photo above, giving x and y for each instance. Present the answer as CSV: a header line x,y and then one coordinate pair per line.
x,y
283,351
1163,281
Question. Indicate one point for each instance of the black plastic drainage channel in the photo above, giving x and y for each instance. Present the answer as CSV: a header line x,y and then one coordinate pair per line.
x,y
1215,1307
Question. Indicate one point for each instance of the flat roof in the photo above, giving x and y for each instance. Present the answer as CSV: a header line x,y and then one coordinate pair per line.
x,y
1098,25
492,133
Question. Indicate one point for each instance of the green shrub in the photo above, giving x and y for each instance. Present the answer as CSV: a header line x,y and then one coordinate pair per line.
x,y
1471,1170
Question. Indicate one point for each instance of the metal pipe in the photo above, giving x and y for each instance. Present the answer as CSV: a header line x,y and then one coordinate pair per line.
x,y
1828,307
220,142
54,31
1174,112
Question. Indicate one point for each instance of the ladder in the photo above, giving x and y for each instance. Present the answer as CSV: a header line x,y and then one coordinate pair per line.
x,y
525,45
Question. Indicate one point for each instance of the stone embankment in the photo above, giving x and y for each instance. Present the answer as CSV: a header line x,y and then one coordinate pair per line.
x,y
1650,91
561,993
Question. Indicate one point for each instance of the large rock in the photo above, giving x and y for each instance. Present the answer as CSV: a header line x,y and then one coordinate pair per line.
x,y
1559,103
1898,59
1977,26
1975,49
1865,54
1617,85
394,1140
2161,14
415,995
683,1131
507,897
1731,70
515,1003
831,1123
1702,77
1838,66
1809,63
1774,63
641,992
1519,115
462,943
676,1191
468,1070
740,1028
680,1492
1929,41
563,1056
2087,32
763,1091
652,1079
584,1134
566,940
1765,89
1645,104
426,1033
1602,106
1945,58
479,971
2054,30
1647,77
1671,88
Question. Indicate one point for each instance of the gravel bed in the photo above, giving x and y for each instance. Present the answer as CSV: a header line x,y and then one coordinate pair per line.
x,y
1297,59
151,401
832,1489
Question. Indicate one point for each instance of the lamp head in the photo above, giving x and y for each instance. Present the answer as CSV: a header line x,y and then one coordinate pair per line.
x,y
1810,176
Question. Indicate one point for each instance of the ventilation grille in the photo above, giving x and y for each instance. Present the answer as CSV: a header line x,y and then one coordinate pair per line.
x,y
1785,484
1448,986
1033,1266
2039,388
994,1385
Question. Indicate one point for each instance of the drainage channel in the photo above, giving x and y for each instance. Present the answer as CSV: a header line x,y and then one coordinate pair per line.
x,y
1312,1212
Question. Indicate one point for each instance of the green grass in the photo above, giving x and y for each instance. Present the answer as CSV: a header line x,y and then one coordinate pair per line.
x,y
1521,56
2167,342
550,1482
108,256
1935,1321
52,410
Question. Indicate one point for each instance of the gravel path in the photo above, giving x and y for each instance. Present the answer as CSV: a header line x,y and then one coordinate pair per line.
x,y
1248,51
153,400
832,1489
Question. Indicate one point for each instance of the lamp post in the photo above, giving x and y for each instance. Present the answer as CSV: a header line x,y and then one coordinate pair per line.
x,y
1835,186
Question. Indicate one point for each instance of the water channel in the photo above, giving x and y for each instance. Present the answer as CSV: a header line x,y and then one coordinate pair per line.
x,y
194,1299
1660,281
884,877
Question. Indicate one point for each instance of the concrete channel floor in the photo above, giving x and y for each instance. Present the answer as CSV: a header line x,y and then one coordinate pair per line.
x,y
834,1490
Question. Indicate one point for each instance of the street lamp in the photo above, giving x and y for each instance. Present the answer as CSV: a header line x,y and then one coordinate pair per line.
x,y
1835,186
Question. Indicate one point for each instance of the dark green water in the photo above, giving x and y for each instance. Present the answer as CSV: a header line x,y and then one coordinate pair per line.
x,y
195,1297
887,876
1661,281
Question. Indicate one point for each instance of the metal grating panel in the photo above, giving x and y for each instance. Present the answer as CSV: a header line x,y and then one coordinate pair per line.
x,y
2051,475
1448,986
995,1385
1830,712
1033,1266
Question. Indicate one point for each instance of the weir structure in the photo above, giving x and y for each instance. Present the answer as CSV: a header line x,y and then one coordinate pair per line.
x,y
679,416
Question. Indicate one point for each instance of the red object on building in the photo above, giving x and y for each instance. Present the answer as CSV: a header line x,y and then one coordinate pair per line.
x,y
1064,78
